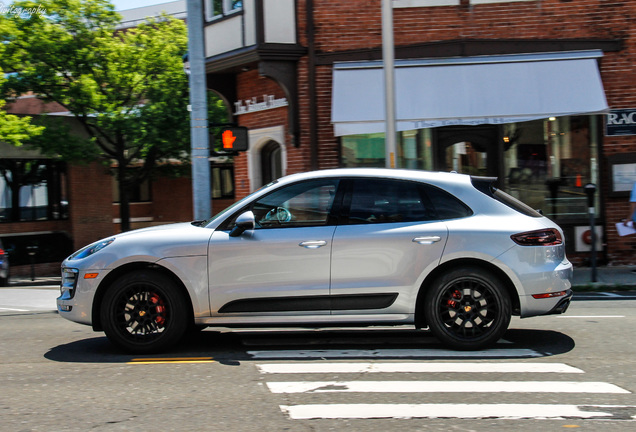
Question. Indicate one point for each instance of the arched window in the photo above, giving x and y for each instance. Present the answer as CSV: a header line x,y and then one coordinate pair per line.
x,y
271,162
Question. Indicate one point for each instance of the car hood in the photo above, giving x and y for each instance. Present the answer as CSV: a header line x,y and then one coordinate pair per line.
x,y
149,245
155,229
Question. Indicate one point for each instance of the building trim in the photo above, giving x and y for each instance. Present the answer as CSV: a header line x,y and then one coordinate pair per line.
x,y
236,60
258,138
473,47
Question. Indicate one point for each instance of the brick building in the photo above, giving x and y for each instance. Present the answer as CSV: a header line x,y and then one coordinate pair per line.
x,y
518,89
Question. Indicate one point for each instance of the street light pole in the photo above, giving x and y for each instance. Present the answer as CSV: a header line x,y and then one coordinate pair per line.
x,y
388,58
199,142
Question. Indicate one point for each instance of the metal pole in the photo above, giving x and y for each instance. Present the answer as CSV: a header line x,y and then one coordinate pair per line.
x,y
593,251
590,190
200,150
388,57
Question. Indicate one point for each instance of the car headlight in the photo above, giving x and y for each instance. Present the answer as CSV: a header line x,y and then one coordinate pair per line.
x,y
91,249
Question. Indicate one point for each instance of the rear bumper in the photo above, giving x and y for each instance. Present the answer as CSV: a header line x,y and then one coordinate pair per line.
x,y
562,305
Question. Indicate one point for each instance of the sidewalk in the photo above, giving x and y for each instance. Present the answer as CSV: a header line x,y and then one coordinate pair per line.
x,y
39,281
620,276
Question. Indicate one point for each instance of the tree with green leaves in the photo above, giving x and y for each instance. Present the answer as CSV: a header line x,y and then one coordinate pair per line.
x,y
13,129
125,88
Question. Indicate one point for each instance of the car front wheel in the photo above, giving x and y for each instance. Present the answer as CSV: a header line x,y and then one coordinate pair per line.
x,y
468,308
144,312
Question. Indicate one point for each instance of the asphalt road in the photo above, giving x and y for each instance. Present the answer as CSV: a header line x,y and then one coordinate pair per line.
x,y
574,371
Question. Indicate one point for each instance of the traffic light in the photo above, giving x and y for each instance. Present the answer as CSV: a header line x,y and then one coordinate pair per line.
x,y
234,138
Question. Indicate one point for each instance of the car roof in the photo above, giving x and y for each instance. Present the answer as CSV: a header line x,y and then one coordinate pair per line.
x,y
404,174
459,185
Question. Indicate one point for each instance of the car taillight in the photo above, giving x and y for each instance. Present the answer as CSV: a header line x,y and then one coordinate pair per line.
x,y
2,252
543,237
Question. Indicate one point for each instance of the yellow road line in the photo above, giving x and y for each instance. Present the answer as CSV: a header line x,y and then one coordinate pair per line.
x,y
172,360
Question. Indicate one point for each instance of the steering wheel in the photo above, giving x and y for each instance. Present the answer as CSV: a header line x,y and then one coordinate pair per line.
x,y
280,214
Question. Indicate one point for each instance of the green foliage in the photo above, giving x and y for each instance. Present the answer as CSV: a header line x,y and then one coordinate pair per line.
x,y
57,138
16,130
217,113
13,129
126,89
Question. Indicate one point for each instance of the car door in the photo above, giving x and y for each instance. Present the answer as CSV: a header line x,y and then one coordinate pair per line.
x,y
281,267
391,238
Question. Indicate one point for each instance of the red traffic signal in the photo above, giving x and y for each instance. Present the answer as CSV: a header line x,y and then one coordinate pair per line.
x,y
234,138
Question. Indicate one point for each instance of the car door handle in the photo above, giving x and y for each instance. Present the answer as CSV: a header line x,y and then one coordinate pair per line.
x,y
312,244
427,240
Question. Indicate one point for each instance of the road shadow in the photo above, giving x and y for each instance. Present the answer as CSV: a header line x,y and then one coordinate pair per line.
x,y
233,347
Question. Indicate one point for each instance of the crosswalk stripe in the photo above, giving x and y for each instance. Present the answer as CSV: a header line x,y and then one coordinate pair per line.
x,y
461,411
394,353
444,387
445,367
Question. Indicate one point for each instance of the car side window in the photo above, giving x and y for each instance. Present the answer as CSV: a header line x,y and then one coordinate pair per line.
x,y
446,205
298,205
388,201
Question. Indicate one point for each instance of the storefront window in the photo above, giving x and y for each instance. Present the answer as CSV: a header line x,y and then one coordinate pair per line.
x,y
466,158
32,190
414,150
222,181
363,150
547,163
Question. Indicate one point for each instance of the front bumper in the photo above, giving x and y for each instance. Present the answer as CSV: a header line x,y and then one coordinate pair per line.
x,y
77,294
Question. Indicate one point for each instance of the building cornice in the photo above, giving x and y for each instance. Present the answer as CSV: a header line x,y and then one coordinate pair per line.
x,y
233,61
473,47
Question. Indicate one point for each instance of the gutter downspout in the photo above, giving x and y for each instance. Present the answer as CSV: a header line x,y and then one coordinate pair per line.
x,y
311,78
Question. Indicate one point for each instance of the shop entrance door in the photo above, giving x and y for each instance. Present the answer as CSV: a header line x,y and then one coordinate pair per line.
x,y
271,162
474,150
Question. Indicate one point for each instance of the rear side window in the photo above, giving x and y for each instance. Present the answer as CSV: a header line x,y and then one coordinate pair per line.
x,y
388,201
485,185
445,204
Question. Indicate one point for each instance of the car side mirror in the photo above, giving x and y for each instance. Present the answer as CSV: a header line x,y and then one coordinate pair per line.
x,y
245,221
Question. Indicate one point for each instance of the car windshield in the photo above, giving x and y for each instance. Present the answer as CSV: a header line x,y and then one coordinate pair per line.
x,y
234,206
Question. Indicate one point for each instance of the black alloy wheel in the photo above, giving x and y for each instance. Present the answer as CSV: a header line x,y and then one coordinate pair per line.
x,y
468,308
144,312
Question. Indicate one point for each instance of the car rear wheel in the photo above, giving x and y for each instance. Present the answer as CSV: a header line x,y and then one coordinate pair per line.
x,y
144,312
468,308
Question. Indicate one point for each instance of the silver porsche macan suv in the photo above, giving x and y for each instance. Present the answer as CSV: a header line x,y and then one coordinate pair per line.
x,y
443,251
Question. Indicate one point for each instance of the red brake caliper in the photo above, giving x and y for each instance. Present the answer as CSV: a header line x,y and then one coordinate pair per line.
x,y
456,296
160,309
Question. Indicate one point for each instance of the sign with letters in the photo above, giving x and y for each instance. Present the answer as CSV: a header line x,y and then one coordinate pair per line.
x,y
253,105
621,122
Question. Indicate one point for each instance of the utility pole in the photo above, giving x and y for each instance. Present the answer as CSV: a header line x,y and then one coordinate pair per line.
x,y
388,59
199,141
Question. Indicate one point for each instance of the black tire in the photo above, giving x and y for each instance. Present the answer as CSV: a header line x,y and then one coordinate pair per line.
x,y
144,312
468,308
